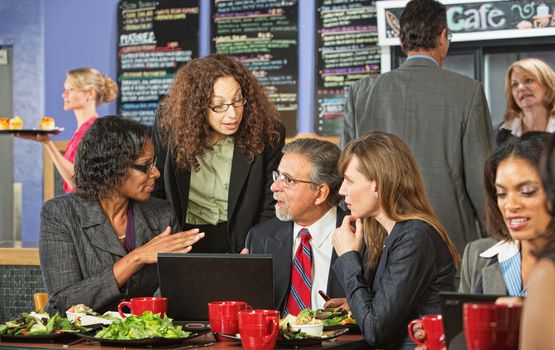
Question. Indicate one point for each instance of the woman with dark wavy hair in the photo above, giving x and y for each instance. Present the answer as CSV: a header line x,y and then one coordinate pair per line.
x,y
100,244
218,139
516,218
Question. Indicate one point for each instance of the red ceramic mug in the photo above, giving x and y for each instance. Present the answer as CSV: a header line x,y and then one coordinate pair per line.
x,y
224,317
258,329
432,325
156,305
491,326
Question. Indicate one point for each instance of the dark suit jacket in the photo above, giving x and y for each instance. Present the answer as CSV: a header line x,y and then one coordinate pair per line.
x,y
414,266
78,248
444,119
250,199
276,237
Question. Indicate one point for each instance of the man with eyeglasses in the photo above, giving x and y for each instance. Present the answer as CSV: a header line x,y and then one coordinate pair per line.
x,y
306,189
441,115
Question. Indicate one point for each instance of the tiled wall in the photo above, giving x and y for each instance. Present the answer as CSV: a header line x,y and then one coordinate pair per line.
x,y
17,286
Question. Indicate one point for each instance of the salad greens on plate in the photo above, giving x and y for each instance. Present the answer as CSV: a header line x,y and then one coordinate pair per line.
x,y
147,325
38,324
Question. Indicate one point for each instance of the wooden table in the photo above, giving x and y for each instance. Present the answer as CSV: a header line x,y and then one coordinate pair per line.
x,y
349,341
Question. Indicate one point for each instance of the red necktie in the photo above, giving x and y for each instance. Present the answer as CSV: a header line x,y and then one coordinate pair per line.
x,y
301,277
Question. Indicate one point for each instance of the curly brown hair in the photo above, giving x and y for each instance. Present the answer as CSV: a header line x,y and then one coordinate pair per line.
x,y
184,111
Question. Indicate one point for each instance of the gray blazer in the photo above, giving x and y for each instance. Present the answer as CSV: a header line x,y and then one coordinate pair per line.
x,y
444,119
78,248
478,274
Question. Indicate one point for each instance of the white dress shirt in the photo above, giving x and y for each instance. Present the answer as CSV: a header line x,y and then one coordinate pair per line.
x,y
321,232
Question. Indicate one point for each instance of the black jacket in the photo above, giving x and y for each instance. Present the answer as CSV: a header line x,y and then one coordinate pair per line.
x,y
250,200
414,266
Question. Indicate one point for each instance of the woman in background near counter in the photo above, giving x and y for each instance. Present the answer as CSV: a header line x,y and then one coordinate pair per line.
x,y
538,317
516,218
100,244
218,139
84,89
411,257
530,94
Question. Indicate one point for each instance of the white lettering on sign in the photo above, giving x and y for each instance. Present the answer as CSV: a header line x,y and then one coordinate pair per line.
x,y
484,18
137,39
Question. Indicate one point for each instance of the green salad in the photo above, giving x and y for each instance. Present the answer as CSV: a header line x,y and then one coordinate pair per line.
x,y
141,327
38,324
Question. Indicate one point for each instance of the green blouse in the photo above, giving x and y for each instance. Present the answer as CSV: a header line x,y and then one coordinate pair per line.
x,y
208,192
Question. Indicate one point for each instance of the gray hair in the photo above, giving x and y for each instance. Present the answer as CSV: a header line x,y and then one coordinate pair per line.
x,y
324,156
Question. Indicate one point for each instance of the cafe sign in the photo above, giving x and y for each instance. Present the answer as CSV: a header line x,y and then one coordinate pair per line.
x,y
477,19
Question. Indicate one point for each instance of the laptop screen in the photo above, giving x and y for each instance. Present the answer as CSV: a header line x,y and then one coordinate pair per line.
x,y
452,314
191,281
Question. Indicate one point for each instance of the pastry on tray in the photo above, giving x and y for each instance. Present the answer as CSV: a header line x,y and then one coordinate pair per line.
x,y
16,123
47,123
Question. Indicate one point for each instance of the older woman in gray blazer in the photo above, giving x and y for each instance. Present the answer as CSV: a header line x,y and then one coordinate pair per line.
x,y
100,245
516,216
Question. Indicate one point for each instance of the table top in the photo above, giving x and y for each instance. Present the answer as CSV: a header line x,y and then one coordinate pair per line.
x,y
348,341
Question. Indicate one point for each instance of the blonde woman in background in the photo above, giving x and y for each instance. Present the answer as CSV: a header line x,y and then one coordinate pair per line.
x,y
530,94
84,89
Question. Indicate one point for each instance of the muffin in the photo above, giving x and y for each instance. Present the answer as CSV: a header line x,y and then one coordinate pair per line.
x,y
4,124
16,123
47,123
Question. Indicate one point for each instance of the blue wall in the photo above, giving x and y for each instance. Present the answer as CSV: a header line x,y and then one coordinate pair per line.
x,y
21,26
50,37
77,34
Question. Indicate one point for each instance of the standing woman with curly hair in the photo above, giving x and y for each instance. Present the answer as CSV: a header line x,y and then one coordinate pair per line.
x,y
84,89
218,139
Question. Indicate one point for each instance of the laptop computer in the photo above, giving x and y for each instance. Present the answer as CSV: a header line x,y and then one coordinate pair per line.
x,y
452,314
191,281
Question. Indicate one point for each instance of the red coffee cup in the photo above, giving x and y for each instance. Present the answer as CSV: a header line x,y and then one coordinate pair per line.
x,y
432,325
491,326
258,329
224,318
137,306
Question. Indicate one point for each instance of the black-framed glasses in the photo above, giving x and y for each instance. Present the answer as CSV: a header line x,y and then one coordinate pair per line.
x,y
286,180
225,106
145,167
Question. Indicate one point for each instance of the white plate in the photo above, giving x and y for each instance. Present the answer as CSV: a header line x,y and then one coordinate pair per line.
x,y
87,320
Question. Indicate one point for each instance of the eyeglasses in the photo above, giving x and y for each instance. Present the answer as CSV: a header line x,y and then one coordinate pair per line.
x,y
285,180
449,35
145,167
225,106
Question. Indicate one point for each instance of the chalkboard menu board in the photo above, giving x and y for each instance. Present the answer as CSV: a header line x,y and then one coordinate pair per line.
x,y
263,36
154,39
347,51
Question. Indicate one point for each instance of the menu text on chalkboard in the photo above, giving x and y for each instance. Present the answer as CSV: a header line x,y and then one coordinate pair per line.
x,y
263,36
346,41
154,39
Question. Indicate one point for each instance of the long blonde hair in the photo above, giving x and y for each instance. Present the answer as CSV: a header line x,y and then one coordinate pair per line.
x,y
540,72
386,159
86,79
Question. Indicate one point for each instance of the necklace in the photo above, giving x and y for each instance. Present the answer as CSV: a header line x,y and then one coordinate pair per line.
x,y
121,238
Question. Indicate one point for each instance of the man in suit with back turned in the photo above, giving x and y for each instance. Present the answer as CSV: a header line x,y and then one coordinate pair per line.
x,y
442,116
306,188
